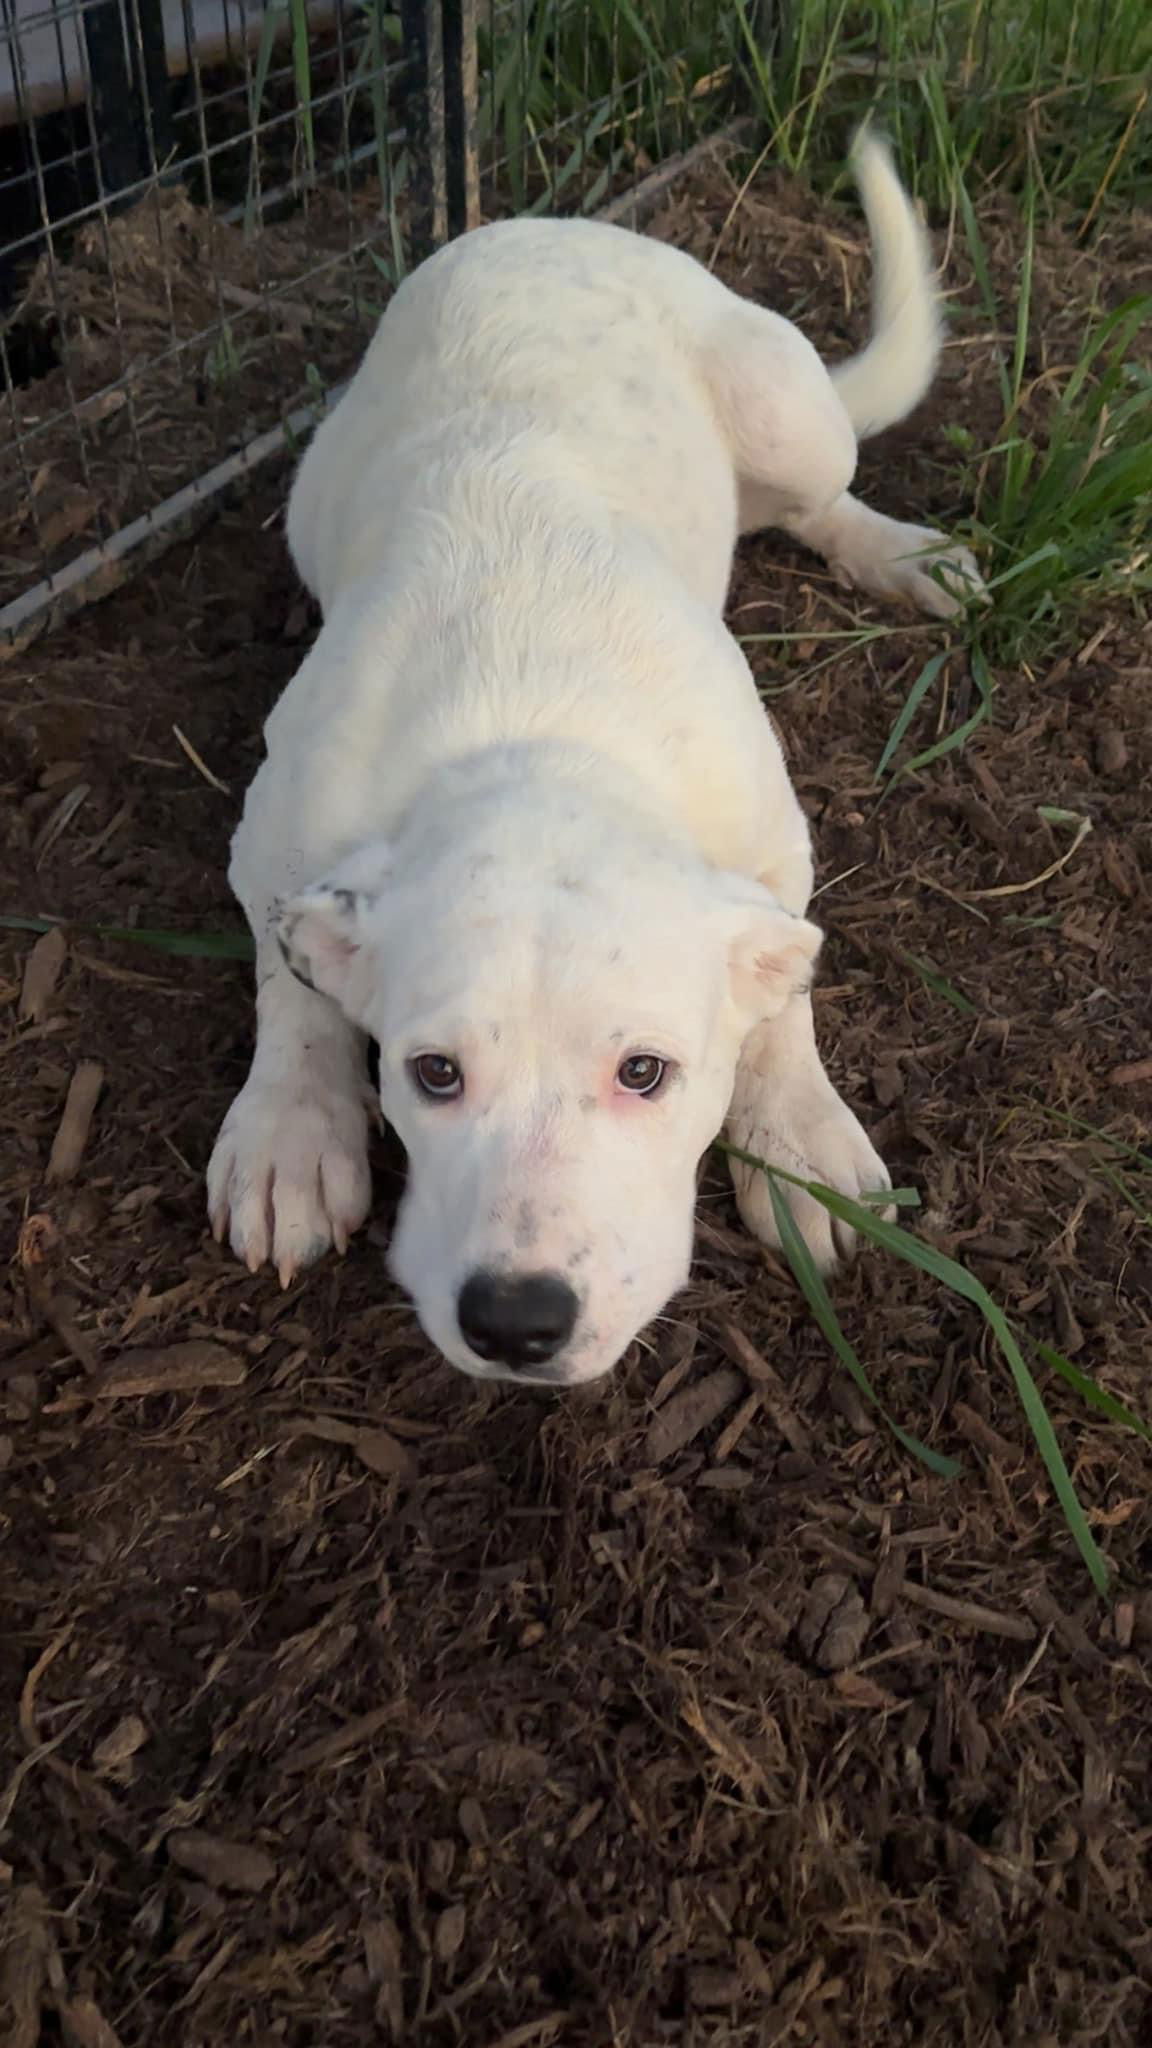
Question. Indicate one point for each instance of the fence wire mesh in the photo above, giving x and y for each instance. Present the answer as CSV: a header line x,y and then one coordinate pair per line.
x,y
204,203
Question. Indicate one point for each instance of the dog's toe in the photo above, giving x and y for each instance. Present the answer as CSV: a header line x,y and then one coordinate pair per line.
x,y
289,1177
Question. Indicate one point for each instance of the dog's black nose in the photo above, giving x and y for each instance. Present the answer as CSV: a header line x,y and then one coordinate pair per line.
x,y
517,1320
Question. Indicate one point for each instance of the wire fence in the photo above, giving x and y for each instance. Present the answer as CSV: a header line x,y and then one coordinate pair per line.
x,y
205,203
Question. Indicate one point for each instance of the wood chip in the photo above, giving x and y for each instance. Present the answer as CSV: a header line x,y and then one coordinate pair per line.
x,y
374,1447
533,2033
834,1624
689,1413
200,765
383,1455
173,1369
71,513
120,1744
227,1866
473,1825
1111,750
76,1121
383,1949
982,1434
384,1962
1068,1631
510,1763
887,1083
987,1620
683,1349
1120,868
24,1965
1131,1073
209,1973
41,973
732,1431
888,1583
858,1690
60,820
715,1990
982,821
450,1931
340,1743
771,1387
84,2025
58,1312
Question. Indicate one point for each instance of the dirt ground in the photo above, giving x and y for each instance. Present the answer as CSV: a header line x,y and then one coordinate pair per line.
x,y
345,1701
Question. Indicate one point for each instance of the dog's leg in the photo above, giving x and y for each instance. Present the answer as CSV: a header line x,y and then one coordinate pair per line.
x,y
289,1176
913,565
794,450
785,1111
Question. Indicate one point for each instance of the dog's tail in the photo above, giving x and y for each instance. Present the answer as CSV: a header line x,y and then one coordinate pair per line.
x,y
892,373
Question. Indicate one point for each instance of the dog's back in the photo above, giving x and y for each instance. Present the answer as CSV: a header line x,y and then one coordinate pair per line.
x,y
547,357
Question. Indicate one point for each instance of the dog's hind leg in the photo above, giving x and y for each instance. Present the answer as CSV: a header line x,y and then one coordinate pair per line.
x,y
912,565
794,449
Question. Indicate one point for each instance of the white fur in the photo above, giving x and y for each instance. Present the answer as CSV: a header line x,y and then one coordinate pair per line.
x,y
521,805
883,383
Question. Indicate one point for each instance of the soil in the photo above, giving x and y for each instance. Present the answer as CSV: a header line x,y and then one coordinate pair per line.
x,y
345,1701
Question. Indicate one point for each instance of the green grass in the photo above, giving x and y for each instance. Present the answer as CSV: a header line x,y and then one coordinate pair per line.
x,y
1011,1345
1050,90
572,91
1063,496
1053,90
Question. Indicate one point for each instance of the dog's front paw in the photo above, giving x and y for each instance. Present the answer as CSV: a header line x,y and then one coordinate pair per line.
x,y
817,1138
289,1174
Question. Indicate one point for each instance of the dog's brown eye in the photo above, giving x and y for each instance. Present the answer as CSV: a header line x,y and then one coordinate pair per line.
x,y
642,1074
438,1076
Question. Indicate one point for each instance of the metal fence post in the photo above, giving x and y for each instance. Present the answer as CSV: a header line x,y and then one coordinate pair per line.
x,y
440,119
461,97
424,124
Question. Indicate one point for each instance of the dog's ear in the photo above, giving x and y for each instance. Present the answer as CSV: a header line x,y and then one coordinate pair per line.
x,y
322,932
771,952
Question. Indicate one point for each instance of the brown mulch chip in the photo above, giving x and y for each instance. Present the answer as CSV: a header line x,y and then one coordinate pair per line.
x,y
346,1701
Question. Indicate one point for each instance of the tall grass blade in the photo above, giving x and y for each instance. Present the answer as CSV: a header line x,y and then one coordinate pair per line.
x,y
816,1294
181,945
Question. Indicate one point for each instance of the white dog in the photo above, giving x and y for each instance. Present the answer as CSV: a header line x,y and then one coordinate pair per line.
x,y
522,819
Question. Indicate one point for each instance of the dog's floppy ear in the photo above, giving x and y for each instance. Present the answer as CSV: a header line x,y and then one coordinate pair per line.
x,y
322,931
771,952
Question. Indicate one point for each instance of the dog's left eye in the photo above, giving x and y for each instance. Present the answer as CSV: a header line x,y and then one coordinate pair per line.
x,y
437,1076
641,1074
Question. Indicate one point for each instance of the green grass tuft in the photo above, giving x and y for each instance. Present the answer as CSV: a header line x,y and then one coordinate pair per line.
x,y
955,1279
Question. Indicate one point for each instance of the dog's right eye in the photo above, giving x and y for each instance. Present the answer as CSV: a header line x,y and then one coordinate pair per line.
x,y
437,1076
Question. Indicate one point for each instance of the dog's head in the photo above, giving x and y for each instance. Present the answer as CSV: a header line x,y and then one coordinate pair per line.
x,y
558,1043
